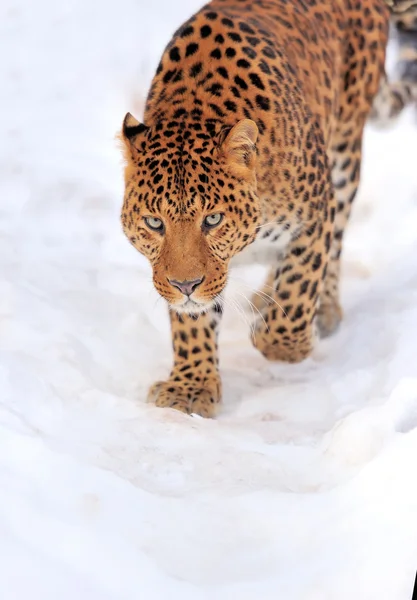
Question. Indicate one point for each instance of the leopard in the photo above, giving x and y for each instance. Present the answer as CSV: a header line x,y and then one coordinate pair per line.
x,y
251,144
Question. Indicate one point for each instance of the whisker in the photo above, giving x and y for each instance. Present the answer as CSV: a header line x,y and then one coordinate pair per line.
x,y
232,303
267,224
251,324
252,306
263,295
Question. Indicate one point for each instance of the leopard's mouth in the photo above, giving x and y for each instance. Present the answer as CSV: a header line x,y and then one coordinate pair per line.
x,y
194,307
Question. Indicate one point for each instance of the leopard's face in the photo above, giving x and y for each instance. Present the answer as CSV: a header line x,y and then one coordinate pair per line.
x,y
190,205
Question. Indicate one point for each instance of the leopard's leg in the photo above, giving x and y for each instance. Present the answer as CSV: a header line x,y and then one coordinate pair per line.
x,y
356,100
286,330
393,95
194,385
405,22
346,155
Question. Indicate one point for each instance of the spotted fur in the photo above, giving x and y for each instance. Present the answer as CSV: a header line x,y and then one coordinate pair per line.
x,y
254,120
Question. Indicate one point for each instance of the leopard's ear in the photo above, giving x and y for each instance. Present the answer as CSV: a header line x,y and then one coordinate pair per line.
x,y
133,133
238,146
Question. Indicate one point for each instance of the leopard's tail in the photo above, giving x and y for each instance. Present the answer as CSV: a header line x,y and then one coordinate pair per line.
x,y
393,96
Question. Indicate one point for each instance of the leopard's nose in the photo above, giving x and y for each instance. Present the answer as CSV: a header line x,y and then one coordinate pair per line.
x,y
186,287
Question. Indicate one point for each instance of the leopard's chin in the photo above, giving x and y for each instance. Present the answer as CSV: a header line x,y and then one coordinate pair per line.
x,y
190,307
194,307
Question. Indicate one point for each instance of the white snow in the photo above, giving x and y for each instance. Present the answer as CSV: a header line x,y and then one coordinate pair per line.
x,y
305,488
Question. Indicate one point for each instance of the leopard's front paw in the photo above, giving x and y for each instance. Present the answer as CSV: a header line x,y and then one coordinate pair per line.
x,y
191,397
329,316
284,350
283,340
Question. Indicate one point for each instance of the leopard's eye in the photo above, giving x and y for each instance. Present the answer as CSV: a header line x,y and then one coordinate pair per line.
x,y
154,223
213,220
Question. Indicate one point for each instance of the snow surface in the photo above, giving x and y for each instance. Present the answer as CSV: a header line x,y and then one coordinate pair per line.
x,y
305,488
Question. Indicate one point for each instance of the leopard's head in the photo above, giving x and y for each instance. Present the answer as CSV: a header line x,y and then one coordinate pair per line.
x,y
190,203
